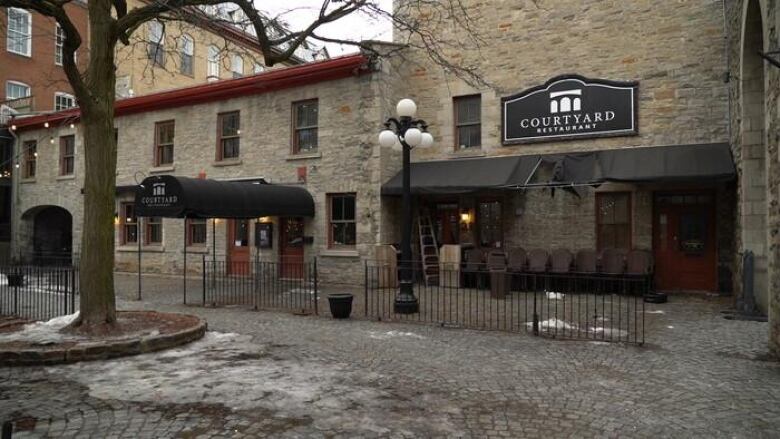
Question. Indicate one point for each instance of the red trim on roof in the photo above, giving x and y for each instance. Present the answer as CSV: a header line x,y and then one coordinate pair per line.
x,y
272,80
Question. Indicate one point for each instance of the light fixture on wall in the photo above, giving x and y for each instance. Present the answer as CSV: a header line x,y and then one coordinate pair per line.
x,y
264,219
116,219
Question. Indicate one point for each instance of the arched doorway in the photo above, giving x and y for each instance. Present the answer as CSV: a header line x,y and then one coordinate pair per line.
x,y
753,155
52,239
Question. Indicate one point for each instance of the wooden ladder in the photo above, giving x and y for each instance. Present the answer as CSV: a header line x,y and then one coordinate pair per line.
x,y
429,250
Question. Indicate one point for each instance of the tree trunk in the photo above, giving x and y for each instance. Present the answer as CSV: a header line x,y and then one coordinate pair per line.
x,y
97,301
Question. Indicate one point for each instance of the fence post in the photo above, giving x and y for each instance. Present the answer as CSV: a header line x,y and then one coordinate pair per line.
x,y
536,315
67,273
74,284
365,288
16,300
316,290
203,274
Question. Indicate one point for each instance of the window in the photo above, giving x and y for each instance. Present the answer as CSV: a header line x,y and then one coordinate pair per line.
x,y
187,51
258,68
305,126
196,232
156,45
30,155
341,227
228,130
164,134
468,125
63,101
153,232
129,224
237,66
489,224
67,154
16,90
613,220
213,63
19,39
59,44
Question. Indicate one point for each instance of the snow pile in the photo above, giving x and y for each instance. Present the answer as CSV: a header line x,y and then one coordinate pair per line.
x,y
657,311
552,325
393,334
44,332
555,296
610,333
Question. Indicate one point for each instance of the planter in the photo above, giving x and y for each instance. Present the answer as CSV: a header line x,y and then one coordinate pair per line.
x,y
655,298
15,279
340,305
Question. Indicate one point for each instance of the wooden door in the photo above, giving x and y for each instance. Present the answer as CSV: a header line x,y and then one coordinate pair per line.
x,y
684,242
291,247
238,247
447,221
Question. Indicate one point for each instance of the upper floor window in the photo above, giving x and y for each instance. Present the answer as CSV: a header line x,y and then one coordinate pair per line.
x,y
163,145
187,51
342,230
305,115
59,44
19,35
63,101
237,66
67,154
16,90
128,224
468,123
30,155
156,45
228,135
213,63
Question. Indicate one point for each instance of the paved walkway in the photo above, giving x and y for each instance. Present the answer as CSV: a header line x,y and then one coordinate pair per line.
x,y
279,375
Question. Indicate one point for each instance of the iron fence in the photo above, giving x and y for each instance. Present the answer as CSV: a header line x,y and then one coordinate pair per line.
x,y
38,292
569,306
290,286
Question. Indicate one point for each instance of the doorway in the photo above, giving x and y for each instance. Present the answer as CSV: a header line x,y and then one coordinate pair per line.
x,y
291,247
684,242
238,247
52,236
446,219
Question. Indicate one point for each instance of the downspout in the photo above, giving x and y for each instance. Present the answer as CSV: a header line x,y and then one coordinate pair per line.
x,y
14,192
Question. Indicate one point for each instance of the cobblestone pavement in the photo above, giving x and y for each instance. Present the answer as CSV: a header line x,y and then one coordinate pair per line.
x,y
280,375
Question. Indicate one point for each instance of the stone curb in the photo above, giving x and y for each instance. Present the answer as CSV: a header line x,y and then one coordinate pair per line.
x,y
102,350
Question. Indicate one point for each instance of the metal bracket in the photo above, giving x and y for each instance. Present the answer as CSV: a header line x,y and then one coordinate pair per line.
x,y
771,57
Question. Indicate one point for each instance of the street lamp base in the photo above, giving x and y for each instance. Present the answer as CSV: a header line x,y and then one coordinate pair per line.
x,y
405,301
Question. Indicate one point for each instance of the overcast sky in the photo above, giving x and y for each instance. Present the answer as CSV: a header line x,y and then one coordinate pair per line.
x,y
358,26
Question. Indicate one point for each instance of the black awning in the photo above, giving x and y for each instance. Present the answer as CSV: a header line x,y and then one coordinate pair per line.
x,y
179,197
462,176
704,162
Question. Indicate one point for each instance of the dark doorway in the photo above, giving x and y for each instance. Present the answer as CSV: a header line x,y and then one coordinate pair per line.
x,y
52,236
238,247
684,242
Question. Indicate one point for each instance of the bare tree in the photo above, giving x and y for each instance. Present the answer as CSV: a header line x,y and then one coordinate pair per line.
x,y
111,23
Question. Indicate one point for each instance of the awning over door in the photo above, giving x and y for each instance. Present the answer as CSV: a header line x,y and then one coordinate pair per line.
x,y
180,197
463,175
695,163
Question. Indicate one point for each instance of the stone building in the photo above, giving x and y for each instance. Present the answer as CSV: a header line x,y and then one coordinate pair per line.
x,y
597,125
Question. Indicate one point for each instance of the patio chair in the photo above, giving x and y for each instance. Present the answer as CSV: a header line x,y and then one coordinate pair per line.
x,y
496,260
560,263
538,261
613,265
586,266
639,264
473,267
517,260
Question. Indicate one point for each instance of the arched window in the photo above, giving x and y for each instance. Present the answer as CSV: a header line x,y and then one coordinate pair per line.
x,y
186,50
213,60
565,105
577,104
553,106
237,66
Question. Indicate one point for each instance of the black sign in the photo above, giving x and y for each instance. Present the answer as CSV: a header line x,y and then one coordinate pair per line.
x,y
159,196
570,107
264,233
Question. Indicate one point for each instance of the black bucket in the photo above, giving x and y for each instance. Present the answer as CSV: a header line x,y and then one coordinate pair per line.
x,y
15,279
340,305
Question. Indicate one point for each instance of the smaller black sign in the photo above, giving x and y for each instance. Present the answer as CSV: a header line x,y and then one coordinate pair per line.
x,y
570,107
264,233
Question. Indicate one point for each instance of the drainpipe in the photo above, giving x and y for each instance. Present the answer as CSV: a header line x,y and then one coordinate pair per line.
x,y
14,193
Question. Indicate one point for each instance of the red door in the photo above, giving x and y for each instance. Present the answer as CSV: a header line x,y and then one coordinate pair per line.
x,y
447,224
291,247
684,242
238,247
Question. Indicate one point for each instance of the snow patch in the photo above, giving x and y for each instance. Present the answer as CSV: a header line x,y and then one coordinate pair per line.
x,y
44,332
610,332
555,296
657,311
552,325
393,334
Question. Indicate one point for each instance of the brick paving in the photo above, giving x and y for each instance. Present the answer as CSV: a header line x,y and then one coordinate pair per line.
x,y
282,375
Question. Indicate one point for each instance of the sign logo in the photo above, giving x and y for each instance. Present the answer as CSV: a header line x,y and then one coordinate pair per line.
x,y
158,198
158,189
570,107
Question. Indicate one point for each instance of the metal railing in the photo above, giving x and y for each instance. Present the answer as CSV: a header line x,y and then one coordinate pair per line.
x,y
38,292
290,286
570,306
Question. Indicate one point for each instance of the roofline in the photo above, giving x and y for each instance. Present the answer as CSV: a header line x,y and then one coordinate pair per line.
x,y
271,80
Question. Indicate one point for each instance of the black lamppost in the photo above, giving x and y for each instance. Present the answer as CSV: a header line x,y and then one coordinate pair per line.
x,y
404,133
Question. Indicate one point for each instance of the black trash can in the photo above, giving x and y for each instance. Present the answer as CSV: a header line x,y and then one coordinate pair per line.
x,y
499,284
340,305
15,279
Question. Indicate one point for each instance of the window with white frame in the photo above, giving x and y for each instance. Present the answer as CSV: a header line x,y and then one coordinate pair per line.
x,y
16,90
59,44
156,46
63,101
213,60
237,66
187,50
19,32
